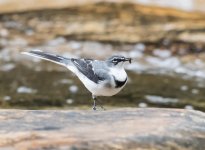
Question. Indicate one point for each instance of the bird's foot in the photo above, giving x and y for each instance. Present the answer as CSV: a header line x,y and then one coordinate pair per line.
x,y
102,107
94,108
99,103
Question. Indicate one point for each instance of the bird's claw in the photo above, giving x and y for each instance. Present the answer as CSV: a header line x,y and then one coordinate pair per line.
x,y
102,108
94,104
94,108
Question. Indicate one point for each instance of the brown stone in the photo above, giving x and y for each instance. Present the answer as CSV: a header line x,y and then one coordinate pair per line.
x,y
110,22
128,128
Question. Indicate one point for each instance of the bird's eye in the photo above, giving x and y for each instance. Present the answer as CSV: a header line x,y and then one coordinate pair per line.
x,y
114,60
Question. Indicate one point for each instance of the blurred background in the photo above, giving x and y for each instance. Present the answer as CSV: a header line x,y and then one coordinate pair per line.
x,y
165,38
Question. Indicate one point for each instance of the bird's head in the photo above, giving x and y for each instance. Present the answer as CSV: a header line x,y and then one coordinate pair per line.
x,y
117,61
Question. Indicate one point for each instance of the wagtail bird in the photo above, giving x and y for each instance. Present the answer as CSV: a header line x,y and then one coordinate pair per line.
x,y
101,78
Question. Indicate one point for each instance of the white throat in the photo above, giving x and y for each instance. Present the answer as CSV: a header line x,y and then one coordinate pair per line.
x,y
119,73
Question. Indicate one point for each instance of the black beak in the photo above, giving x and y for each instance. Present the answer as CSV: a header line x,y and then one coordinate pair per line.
x,y
128,59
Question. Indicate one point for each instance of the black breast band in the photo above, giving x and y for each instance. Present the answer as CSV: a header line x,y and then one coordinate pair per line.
x,y
118,83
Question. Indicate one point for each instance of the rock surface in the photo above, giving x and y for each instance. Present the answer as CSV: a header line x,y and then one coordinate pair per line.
x,y
107,22
13,5
129,128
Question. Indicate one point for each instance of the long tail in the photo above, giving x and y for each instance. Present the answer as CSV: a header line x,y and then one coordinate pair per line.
x,y
47,56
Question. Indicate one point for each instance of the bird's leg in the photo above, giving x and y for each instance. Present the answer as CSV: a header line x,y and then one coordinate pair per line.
x,y
94,102
97,100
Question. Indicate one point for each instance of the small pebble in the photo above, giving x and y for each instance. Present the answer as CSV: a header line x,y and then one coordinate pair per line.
x,y
195,91
162,53
142,105
7,67
24,89
4,33
184,88
29,32
140,46
57,41
189,107
73,88
69,101
75,45
135,54
65,81
7,98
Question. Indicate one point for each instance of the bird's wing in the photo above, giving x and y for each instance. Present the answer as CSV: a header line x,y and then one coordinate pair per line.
x,y
87,67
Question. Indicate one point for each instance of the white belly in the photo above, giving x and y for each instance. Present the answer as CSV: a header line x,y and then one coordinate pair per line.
x,y
104,91
99,89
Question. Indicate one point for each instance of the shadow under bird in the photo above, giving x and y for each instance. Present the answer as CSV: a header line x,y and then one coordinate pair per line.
x,y
101,78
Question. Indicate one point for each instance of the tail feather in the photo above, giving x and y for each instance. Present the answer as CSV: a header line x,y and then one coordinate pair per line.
x,y
47,56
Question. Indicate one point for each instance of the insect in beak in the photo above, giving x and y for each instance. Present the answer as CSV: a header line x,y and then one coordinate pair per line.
x,y
128,59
